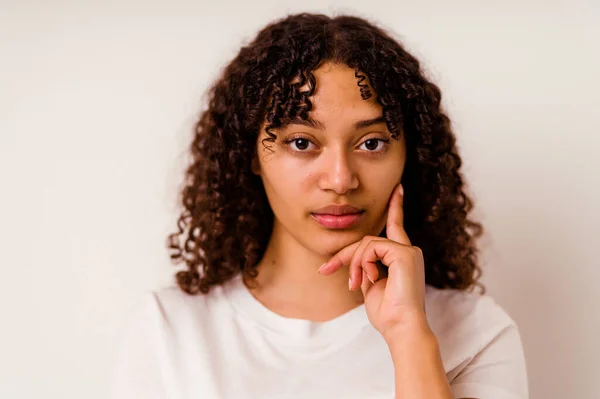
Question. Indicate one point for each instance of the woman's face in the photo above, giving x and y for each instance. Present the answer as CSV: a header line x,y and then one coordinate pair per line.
x,y
333,162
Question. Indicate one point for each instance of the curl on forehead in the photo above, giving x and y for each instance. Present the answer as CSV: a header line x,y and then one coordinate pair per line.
x,y
290,101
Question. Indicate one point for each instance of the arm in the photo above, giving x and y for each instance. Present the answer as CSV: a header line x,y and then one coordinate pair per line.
x,y
419,372
497,371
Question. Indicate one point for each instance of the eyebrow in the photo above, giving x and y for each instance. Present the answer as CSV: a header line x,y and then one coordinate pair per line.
x,y
315,124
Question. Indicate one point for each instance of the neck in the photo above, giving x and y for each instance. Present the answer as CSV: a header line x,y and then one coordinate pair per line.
x,y
288,282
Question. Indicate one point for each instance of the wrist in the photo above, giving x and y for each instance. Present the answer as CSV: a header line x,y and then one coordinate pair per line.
x,y
411,331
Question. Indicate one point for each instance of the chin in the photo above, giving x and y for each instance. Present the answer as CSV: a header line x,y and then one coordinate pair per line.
x,y
329,242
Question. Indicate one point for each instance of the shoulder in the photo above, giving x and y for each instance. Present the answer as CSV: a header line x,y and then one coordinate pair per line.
x,y
450,309
170,307
160,327
479,343
471,328
466,322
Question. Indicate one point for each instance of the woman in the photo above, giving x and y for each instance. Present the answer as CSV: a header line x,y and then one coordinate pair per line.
x,y
327,247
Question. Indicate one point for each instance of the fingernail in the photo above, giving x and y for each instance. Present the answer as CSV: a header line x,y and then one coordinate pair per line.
x,y
370,279
401,190
321,267
350,283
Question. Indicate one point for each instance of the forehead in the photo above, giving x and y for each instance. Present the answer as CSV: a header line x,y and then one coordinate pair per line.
x,y
337,98
339,85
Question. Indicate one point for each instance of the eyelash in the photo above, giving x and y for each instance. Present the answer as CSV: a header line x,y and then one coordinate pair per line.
x,y
292,139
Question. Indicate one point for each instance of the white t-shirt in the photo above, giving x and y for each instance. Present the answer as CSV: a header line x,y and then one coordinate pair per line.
x,y
226,344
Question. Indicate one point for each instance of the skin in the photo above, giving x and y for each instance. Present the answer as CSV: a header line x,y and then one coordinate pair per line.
x,y
336,169
335,166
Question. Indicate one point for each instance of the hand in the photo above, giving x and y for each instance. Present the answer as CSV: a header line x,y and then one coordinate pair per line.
x,y
397,300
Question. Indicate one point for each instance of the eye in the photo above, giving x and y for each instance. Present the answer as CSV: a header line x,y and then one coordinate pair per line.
x,y
301,143
375,145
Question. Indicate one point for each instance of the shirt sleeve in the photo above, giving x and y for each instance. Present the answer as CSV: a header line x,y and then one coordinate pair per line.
x,y
498,370
136,371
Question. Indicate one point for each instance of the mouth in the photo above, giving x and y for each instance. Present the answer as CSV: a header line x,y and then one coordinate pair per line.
x,y
338,221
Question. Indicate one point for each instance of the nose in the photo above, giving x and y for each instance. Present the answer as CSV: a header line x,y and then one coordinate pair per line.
x,y
337,172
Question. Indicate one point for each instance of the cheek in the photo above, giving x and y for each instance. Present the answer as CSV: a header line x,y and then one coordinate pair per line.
x,y
287,184
378,188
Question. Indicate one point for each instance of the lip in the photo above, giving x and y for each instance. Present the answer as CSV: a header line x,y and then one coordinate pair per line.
x,y
338,210
337,221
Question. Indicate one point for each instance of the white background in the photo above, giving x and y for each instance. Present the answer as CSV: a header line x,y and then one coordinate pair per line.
x,y
97,103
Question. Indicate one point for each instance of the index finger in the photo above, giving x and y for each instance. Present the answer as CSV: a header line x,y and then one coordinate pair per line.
x,y
395,221
341,258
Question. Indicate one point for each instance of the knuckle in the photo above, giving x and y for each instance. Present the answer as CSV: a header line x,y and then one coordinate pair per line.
x,y
371,243
417,254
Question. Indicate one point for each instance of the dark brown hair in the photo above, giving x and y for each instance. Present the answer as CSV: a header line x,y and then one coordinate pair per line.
x,y
226,220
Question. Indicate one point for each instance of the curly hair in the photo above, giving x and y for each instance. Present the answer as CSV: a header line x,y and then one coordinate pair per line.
x,y
227,221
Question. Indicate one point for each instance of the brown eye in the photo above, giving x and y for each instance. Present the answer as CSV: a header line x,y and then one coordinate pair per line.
x,y
372,145
298,144
301,144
